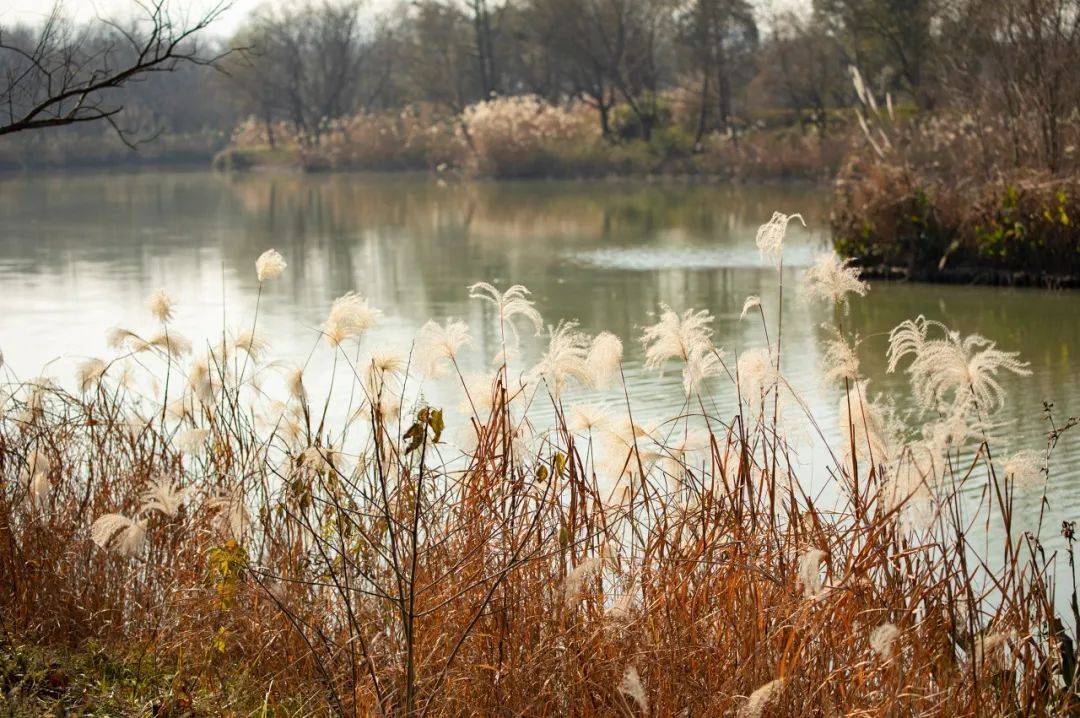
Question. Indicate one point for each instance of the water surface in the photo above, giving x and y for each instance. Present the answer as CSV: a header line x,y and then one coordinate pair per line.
x,y
80,253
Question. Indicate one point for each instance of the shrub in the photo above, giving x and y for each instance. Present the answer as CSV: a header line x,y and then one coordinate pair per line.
x,y
406,140
523,136
947,197
1019,227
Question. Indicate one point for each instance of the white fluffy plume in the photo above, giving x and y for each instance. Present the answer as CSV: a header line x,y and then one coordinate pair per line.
x,y
565,359
161,306
631,685
439,344
680,337
810,572
119,533
882,638
770,236
752,302
163,496
510,305
951,372
605,359
833,279
350,316
269,265
760,699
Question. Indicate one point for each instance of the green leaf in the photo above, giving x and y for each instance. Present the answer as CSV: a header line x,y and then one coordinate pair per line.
x,y
437,425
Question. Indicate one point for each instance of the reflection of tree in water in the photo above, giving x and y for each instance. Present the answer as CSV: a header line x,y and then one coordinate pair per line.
x,y
562,212
410,235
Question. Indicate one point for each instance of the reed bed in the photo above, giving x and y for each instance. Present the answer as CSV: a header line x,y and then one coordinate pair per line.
x,y
526,136
361,552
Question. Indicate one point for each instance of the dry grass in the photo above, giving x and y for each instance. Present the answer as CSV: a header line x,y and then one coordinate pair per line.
x,y
367,559
524,136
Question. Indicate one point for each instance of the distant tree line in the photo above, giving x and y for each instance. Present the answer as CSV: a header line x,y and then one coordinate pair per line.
x,y
318,61
310,62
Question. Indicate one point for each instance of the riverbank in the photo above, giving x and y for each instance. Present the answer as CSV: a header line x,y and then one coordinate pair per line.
x,y
1015,228
101,148
523,137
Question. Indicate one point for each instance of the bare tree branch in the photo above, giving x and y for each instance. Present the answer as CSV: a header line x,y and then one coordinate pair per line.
x,y
63,77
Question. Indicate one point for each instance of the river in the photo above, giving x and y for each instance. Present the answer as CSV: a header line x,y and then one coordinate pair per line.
x,y
80,252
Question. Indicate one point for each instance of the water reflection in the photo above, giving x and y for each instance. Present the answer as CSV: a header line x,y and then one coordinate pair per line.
x,y
80,253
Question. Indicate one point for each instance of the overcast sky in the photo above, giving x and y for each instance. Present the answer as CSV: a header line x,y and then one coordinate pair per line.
x,y
32,11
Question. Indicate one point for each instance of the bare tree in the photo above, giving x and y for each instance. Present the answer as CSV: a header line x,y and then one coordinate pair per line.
x,y
486,25
631,36
60,75
307,65
803,67
721,39
1035,53
889,40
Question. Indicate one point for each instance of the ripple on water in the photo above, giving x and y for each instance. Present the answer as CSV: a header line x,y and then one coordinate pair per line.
x,y
647,259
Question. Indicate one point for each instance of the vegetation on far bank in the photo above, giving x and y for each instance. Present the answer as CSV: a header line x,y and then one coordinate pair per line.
x,y
969,196
524,136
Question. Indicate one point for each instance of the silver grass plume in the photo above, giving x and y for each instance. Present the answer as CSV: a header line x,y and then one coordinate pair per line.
x,y
120,533
192,441
810,572
438,344
382,369
839,360
882,638
510,305
200,381
757,375
172,342
36,476
479,395
163,496
1026,468
990,648
770,236
605,359
752,302
757,702
565,359
833,279
870,422
951,372
703,363
89,373
252,344
231,515
631,685
576,580
350,316
676,336
269,265
161,306
587,418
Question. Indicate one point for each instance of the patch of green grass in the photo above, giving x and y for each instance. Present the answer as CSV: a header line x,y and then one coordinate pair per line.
x,y
95,681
